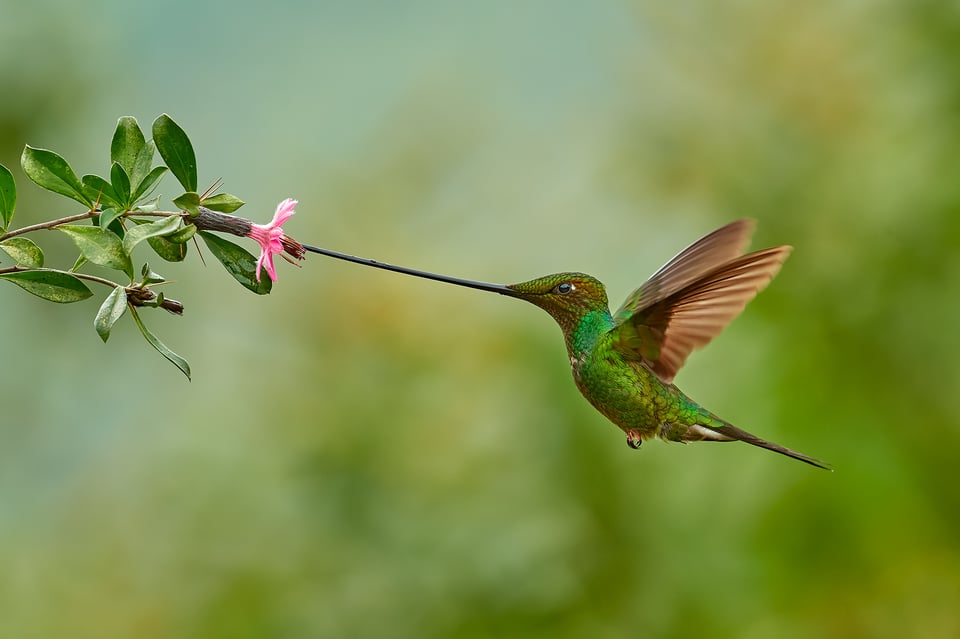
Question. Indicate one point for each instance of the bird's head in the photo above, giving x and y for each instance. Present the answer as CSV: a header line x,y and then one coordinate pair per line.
x,y
568,297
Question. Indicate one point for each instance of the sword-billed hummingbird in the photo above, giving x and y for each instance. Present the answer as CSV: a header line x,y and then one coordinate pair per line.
x,y
624,362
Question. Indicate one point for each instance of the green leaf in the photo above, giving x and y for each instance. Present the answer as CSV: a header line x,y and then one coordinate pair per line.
x,y
127,143
121,183
162,348
170,251
108,216
189,202
176,151
238,262
52,172
50,285
23,251
173,247
100,246
149,277
223,202
110,311
8,197
99,190
182,235
148,183
163,226
142,164
150,207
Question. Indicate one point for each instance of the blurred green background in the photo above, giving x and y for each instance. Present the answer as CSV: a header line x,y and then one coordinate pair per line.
x,y
366,455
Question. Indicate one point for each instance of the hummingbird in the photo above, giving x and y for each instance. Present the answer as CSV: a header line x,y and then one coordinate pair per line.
x,y
624,362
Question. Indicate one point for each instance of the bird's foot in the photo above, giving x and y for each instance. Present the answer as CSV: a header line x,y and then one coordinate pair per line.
x,y
633,439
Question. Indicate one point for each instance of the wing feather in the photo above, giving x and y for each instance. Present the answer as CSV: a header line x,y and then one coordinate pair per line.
x,y
666,330
703,256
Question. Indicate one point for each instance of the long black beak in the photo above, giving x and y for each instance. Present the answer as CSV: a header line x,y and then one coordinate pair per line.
x,y
483,286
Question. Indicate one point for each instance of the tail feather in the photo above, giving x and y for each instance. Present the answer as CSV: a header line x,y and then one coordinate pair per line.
x,y
732,432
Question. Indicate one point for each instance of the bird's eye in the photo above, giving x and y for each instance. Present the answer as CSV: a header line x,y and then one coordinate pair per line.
x,y
564,288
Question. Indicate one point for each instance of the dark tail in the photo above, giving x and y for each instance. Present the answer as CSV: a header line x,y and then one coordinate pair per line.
x,y
733,432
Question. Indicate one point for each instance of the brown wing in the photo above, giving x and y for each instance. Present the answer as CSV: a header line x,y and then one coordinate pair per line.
x,y
664,333
703,256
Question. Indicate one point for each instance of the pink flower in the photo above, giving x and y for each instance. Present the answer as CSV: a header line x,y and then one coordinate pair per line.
x,y
270,237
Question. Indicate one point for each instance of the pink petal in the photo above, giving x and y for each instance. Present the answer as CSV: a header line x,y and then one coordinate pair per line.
x,y
260,263
266,263
284,212
271,270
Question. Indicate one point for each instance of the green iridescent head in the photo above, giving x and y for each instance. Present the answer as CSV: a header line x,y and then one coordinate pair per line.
x,y
568,297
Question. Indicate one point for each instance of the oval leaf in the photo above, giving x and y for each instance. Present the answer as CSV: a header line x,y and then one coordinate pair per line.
x,y
23,251
176,151
147,183
163,226
99,190
50,285
110,219
182,235
189,202
100,246
107,216
127,143
52,172
223,202
162,348
141,166
110,311
238,262
120,183
8,197
169,251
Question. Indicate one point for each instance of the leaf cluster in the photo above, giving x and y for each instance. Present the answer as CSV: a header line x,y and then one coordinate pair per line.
x,y
120,212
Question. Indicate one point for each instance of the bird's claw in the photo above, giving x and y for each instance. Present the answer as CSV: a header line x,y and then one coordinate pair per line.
x,y
633,439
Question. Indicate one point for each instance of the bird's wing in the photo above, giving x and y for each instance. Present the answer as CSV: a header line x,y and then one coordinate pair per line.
x,y
662,324
703,256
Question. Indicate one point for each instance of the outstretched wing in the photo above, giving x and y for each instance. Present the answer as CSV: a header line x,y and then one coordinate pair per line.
x,y
693,298
703,256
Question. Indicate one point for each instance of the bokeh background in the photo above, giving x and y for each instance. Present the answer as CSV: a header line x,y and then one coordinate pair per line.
x,y
366,455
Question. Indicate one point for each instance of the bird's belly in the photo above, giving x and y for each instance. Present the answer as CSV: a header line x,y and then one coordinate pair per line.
x,y
631,397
